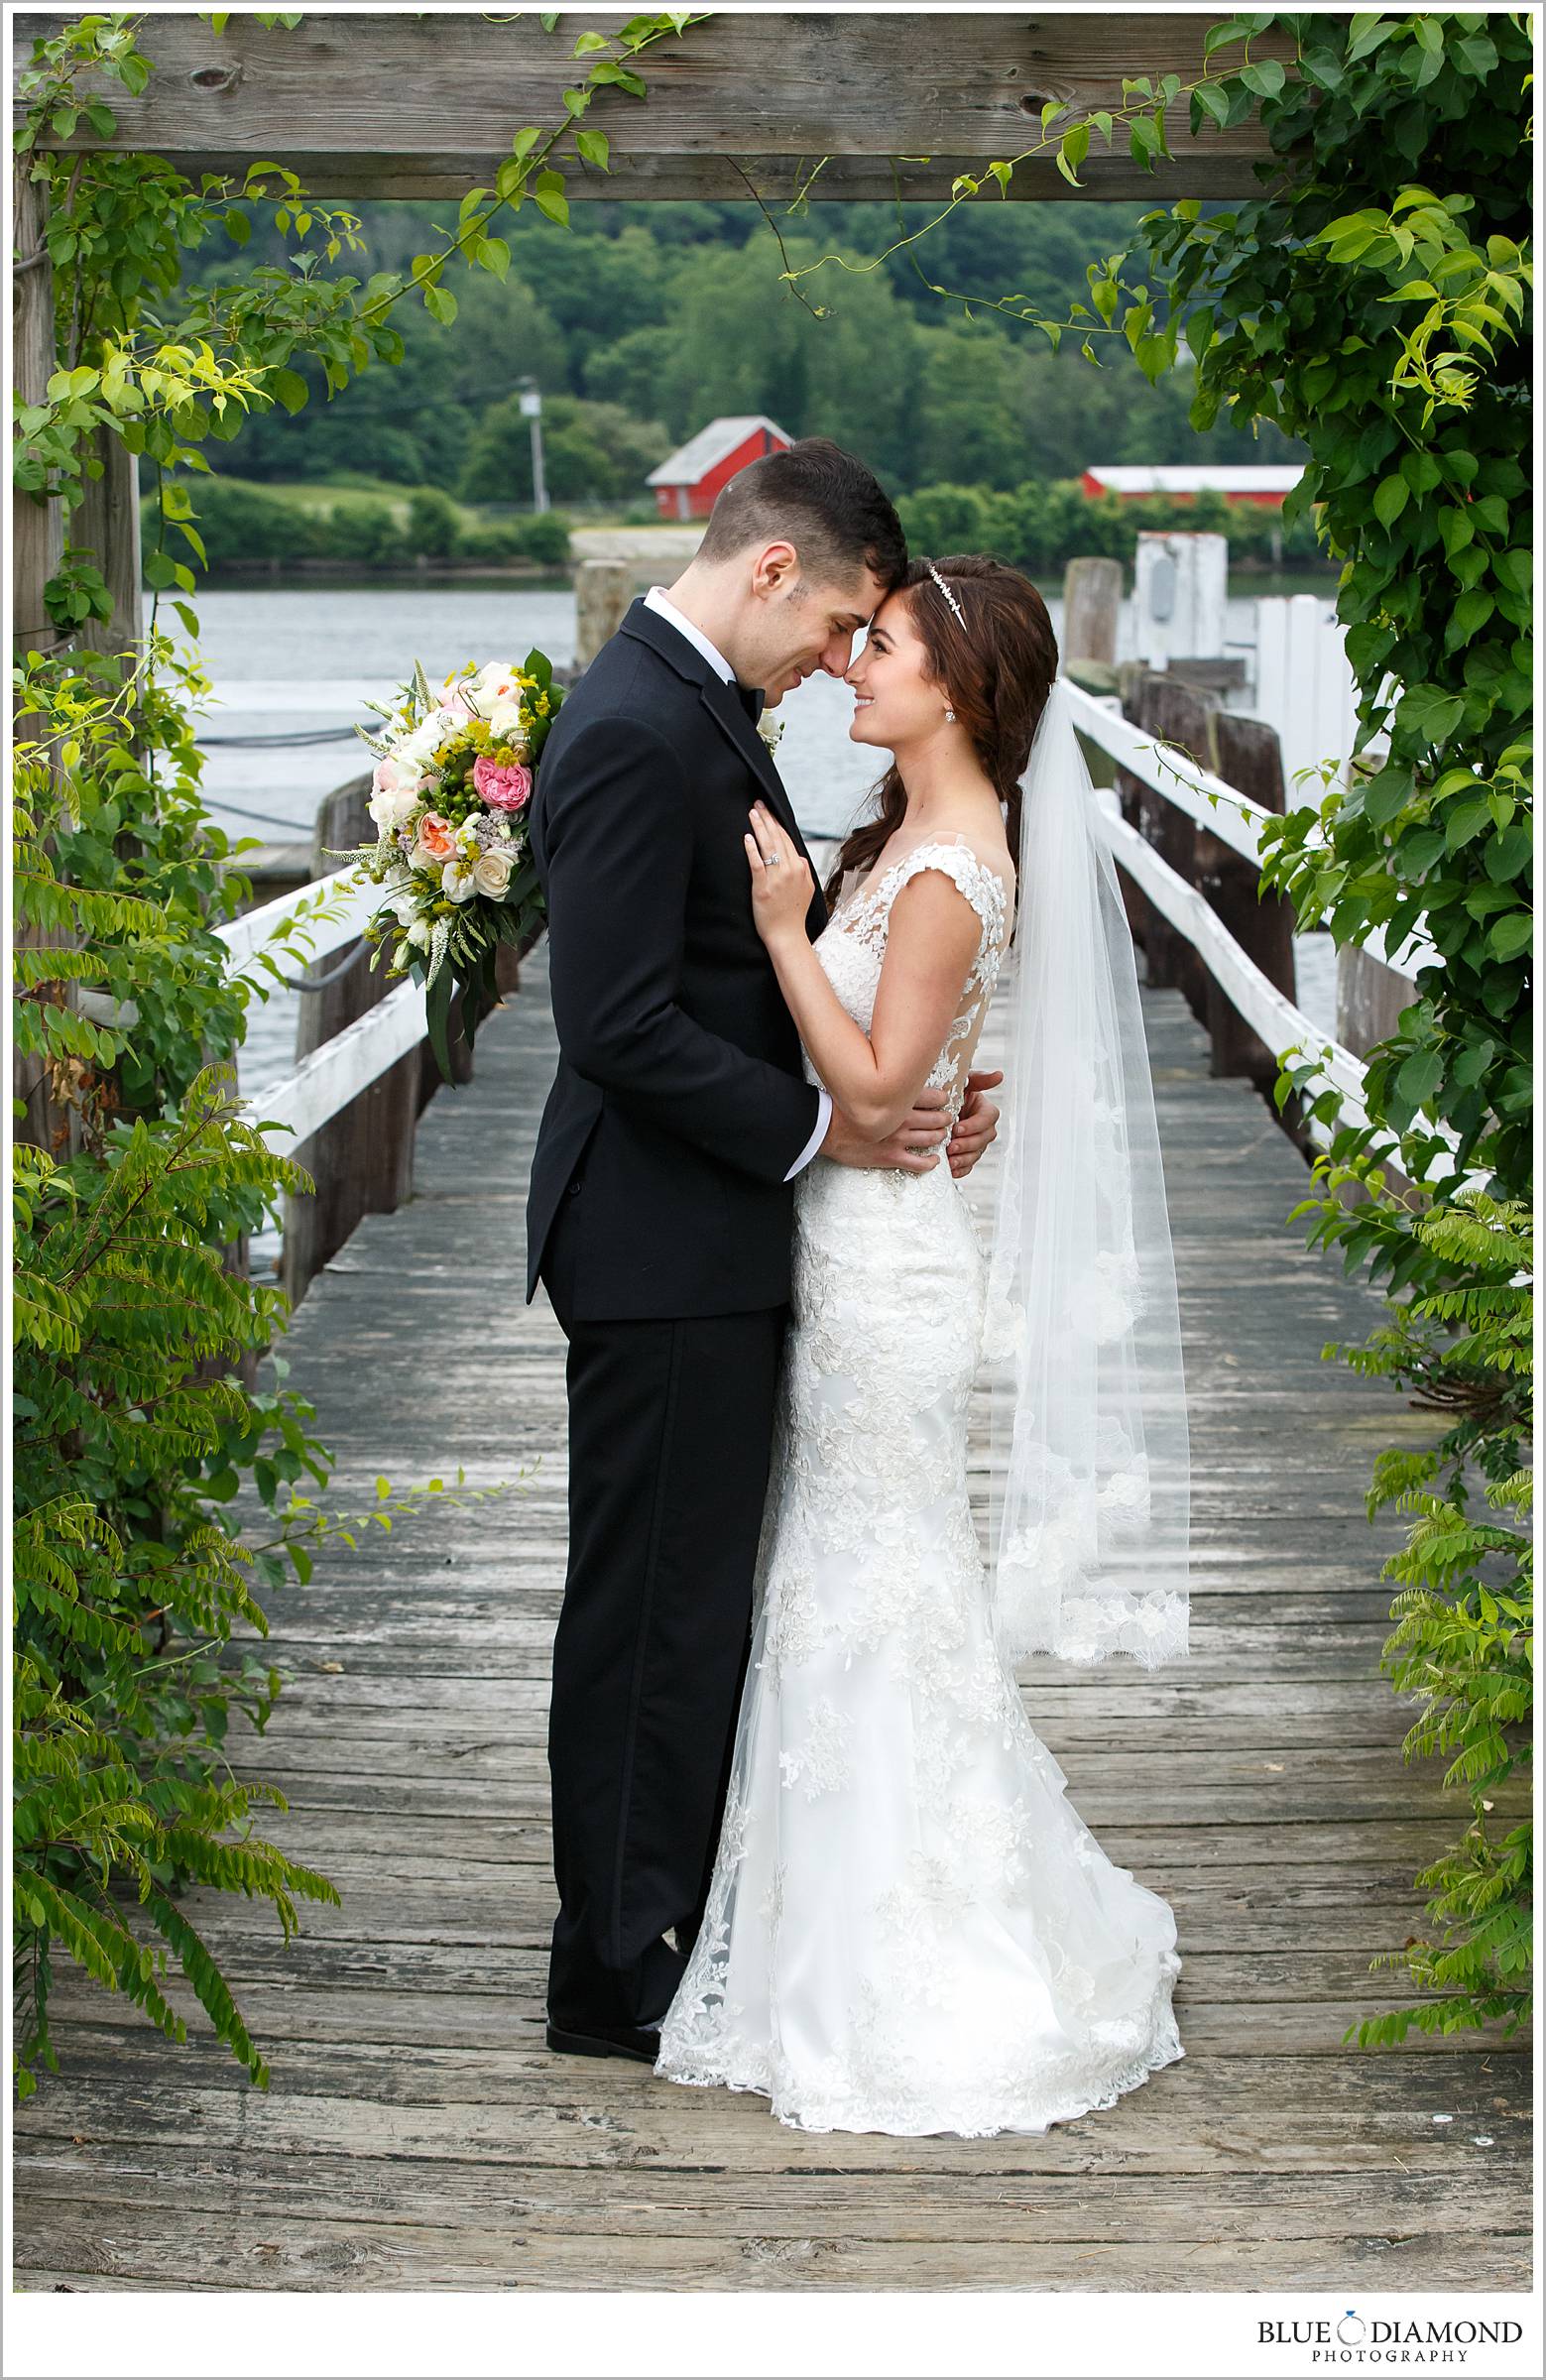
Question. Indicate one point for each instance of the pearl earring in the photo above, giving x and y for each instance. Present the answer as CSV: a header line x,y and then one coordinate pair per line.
x,y
950,717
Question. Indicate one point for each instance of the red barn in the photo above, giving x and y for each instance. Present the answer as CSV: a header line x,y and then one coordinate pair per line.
x,y
1251,482
688,482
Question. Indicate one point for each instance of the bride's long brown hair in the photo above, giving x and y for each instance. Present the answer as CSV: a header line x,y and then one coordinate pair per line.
x,y
996,671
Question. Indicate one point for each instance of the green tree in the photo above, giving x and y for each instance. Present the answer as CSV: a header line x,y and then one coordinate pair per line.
x,y
413,421
969,410
592,453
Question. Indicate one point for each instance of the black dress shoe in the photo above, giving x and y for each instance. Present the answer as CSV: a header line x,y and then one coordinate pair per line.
x,y
607,2041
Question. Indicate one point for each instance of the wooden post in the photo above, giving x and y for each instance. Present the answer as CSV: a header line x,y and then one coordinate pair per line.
x,y
1248,758
1171,713
1370,998
107,522
1092,602
37,530
48,1120
362,1160
603,592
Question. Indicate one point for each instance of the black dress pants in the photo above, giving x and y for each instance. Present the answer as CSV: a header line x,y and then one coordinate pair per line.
x,y
671,1426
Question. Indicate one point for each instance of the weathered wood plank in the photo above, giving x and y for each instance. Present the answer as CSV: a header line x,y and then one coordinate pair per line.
x,y
938,93
178,2249
1204,2088
1271,2209
1306,1912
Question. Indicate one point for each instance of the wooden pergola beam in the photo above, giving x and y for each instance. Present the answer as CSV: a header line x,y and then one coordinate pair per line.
x,y
764,96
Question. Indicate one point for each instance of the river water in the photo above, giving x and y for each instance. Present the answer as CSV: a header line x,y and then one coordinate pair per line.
x,y
290,661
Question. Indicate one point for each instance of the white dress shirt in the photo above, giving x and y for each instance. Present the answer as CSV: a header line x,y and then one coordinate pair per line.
x,y
657,600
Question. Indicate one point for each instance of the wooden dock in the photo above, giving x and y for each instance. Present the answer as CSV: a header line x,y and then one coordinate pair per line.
x,y
419,2136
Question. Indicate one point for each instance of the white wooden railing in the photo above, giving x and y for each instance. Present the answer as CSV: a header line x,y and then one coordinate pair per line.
x,y
324,1082
1236,820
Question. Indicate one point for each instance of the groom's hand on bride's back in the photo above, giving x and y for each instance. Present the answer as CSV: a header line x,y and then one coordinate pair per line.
x,y
976,1125
913,1147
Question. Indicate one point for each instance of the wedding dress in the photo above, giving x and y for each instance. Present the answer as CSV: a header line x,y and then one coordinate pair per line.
x,y
910,1928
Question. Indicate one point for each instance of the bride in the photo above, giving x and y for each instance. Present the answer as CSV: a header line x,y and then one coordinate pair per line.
x,y
909,1929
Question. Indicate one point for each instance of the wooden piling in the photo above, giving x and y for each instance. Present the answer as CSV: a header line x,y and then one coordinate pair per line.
x,y
1092,605
1171,713
362,1160
1247,756
603,591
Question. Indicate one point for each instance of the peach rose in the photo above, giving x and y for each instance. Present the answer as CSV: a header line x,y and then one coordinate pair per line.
x,y
436,844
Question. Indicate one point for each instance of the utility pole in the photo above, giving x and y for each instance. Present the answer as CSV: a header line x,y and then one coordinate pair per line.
x,y
532,407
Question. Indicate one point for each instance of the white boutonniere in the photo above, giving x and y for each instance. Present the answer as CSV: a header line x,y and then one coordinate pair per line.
x,y
769,729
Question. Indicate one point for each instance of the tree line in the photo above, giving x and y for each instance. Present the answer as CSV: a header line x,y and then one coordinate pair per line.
x,y
640,323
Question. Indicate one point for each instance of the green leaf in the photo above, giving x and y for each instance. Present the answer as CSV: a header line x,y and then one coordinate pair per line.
x,y
1421,472
1472,611
549,197
1465,820
1510,935
595,148
1073,149
1220,37
288,387
1391,499
1267,80
1421,1077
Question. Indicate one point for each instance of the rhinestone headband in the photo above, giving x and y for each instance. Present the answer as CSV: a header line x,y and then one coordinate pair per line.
x,y
945,591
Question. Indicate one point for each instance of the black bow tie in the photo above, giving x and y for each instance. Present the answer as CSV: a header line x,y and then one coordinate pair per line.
x,y
750,699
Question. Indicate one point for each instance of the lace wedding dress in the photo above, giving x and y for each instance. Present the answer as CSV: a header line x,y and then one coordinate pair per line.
x,y
909,1929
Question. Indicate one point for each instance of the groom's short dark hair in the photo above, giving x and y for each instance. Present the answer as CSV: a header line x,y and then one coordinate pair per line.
x,y
824,500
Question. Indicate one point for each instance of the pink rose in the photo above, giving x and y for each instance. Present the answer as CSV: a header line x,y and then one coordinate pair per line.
x,y
436,836
500,788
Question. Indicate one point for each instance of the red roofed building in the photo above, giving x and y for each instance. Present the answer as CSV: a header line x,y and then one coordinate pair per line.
x,y
1250,483
688,482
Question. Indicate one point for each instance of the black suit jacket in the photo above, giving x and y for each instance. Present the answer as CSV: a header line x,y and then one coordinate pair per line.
x,y
679,1102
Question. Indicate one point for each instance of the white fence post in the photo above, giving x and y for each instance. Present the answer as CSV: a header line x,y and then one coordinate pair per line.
x,y
1180,584
1304,688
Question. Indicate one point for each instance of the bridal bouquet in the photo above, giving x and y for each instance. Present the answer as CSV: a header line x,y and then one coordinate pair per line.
x,y
453,778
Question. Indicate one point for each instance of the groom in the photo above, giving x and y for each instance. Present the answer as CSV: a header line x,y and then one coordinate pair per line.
x,y
660,1213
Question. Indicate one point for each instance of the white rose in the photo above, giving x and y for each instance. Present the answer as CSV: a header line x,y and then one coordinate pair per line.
x,y
456,881
491,873
418,935
505,723
391,806
427,738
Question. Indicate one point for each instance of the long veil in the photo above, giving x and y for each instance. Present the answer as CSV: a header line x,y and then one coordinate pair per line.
x,y
1088,1501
